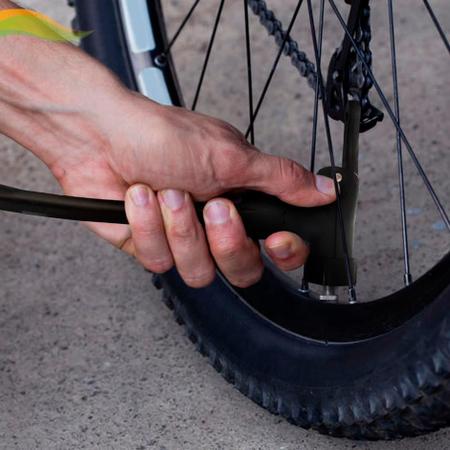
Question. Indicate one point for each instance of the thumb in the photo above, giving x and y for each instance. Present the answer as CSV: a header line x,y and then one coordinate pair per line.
x,y
289,181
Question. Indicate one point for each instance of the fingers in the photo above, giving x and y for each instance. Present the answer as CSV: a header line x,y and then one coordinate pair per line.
x,y
186,238
288,180
165,231
150,246
287,250
236,255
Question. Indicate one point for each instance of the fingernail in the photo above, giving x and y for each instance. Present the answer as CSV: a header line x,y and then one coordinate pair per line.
x,y
139,195
282,251
173,199
217,213
325,185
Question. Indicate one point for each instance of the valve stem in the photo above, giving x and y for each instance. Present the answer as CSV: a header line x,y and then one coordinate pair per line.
x,y
329,294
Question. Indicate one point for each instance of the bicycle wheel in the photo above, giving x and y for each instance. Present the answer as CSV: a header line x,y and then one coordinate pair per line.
x,y
364,370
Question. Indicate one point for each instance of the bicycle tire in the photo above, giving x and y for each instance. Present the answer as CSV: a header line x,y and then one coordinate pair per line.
x,y
382,374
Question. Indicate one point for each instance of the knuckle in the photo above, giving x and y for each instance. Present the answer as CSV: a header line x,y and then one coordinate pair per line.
x,y
231,133
199,279
148,232
148,225
288,266
290,169
227,249
182,231
229,163
248,280
158,266
292,176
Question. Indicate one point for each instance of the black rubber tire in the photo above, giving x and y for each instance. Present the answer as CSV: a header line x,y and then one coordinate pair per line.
x,y
372,372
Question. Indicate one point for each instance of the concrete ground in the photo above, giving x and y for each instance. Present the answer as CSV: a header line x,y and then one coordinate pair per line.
x,y
89,356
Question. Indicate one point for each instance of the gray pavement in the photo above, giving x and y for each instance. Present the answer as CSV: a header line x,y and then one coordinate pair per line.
x,y
90,357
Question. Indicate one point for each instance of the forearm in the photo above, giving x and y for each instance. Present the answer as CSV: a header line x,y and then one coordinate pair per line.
x,y
6,4
51,94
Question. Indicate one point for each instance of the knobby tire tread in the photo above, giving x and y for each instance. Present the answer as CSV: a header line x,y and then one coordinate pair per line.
x,y
416,402
413,400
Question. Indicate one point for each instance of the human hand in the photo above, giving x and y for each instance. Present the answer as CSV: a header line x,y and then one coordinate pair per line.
x,y
100,140
161,159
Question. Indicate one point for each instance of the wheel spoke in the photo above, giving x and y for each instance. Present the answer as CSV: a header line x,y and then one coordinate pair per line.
x,y
351,288
305,286
274,67
401,179
437,25
208,53
316,94
181,27
249,73
385,102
